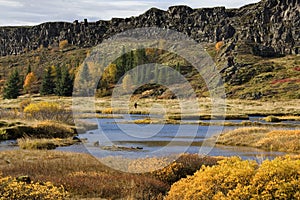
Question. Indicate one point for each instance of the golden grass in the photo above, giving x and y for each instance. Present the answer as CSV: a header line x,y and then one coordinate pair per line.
x,y
281,140
145,106
82,175
43,143
275,140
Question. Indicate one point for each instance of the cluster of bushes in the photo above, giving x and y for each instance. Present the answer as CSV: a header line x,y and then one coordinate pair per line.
x,y
48,111
234,178
12,188
186,164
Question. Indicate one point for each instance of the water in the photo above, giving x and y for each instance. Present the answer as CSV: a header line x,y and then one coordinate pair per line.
x,y
160,140
155,140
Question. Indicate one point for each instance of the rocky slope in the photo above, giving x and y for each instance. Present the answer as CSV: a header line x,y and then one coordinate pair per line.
x,y
270,28
259,58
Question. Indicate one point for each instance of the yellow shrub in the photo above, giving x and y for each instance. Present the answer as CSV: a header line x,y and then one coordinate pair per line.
x,y
277,179
47,111
13,189
63,44
237,179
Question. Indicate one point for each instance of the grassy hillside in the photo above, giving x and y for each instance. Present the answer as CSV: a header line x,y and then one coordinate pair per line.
x,y
251,77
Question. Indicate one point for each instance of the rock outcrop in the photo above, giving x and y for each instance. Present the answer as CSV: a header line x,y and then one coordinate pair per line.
x,y
268,28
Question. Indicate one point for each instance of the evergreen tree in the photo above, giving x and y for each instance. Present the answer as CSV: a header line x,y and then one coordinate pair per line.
x,y
12,86
47,86
28,70
57,80
141,56
65,84
85,74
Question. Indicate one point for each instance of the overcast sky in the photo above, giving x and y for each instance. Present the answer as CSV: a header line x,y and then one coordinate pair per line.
x,y
32,12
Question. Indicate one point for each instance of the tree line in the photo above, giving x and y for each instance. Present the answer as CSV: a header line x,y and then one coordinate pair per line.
x,y
55,80
59,81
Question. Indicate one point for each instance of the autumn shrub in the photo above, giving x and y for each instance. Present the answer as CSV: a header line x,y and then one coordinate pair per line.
x,y
11,188
63,44
277,179
236,179
24,103
48,111
186,164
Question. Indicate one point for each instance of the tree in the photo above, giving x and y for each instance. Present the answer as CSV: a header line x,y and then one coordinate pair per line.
x,y
57,80
127,82
219,45
12,86
65,84
109,74
28,70
63,44
85,74
47,86
29,81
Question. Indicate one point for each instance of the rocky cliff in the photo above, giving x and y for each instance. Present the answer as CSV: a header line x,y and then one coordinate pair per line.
x,y
270,28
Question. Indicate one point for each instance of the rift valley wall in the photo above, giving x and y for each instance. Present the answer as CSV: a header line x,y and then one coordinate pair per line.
x,y
269,28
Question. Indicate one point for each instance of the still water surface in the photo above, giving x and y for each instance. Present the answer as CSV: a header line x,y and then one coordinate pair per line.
x,y
159,140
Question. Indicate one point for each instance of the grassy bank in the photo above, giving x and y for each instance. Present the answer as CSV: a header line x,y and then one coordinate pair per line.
x,y
14,129
274,140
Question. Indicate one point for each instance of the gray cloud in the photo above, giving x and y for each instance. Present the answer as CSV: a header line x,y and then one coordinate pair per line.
x,y
31,12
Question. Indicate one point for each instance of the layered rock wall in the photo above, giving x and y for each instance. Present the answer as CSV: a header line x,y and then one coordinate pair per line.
x,y
269,28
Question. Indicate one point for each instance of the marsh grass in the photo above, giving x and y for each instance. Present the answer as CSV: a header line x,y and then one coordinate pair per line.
x,y
38,129
82,175
43,143
273,140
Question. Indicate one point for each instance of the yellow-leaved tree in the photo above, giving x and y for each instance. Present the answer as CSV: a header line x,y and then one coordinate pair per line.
x,y
29,81
219,45
127,82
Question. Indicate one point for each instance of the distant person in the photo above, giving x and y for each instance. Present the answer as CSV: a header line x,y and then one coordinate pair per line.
x,y
135,105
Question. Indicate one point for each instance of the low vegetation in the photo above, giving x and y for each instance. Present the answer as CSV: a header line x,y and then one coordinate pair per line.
x,y
274,140
16,188
40,129
43,143
82,175
236,179
48,111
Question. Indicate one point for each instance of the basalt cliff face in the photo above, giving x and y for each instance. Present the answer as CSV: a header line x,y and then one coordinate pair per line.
x,y
269,28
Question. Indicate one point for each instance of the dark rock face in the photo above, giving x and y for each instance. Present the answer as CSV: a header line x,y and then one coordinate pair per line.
x,y
270,28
